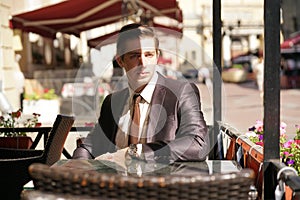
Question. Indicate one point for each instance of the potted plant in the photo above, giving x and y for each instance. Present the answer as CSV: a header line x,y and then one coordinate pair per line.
x,y
46,102
13,139
289,149
235,74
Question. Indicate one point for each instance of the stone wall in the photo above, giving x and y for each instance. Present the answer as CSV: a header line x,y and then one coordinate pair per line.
x,y
8,66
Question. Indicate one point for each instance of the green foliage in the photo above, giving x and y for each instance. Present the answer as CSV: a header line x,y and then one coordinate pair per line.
x,y
12,120
238,66
48,94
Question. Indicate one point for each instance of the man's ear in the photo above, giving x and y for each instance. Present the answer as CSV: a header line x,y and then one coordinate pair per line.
x,y
157,55
119,61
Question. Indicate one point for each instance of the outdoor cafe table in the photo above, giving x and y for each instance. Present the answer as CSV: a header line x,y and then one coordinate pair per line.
x,y
106,179
183,168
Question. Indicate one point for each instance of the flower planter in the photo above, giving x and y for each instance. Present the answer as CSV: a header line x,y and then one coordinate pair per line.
x,y
234,75
20,142
48,109
253,158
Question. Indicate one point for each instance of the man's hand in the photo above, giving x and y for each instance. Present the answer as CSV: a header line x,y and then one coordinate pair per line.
x,y
134,152
131,159
117,157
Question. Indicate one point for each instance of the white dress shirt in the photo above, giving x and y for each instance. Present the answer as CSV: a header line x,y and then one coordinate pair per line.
x,y
125,120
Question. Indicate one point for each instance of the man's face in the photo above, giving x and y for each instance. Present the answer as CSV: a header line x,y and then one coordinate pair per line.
x,y
139,61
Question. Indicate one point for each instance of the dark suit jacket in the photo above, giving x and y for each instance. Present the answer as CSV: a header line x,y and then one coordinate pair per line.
x,y
176,128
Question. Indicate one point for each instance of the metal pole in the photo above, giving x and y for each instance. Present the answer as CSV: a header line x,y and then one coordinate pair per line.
x,y
217,69
271,89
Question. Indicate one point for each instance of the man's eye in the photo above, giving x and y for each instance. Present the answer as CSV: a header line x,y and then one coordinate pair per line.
x,y
149,55
133,56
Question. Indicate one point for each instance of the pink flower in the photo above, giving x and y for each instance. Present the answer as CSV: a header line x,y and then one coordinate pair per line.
x,y
259,143
259,126
89,124
283,125
282,128
288,144
101,90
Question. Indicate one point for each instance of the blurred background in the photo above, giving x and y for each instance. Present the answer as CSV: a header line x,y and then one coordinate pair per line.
x,y
57,56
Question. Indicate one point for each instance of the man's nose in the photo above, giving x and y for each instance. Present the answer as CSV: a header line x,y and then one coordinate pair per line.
x,y
141,59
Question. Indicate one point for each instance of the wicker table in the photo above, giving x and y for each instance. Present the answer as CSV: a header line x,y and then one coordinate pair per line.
x,y
88,179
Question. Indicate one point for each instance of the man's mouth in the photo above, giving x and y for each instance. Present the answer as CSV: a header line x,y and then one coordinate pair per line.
x,y
143,73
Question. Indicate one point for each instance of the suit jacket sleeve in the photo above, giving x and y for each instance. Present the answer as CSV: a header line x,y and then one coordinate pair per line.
x,y
101,137
191,139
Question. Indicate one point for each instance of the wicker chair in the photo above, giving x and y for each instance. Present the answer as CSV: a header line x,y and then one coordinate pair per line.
x,y
61,182
14,163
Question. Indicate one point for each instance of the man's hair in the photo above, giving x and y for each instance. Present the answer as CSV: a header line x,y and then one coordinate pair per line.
x,y
134,31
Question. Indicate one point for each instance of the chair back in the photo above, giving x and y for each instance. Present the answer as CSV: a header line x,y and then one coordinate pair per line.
x,y
74,182
57,137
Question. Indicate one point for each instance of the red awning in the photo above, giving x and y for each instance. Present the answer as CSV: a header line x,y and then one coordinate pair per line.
x,y
75,16
103,40
291,42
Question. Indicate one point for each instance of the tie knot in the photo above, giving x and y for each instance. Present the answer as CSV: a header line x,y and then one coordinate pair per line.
x,y
137,98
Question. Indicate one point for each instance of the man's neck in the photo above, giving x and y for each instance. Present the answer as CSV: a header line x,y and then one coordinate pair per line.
x,y
140,89
149,87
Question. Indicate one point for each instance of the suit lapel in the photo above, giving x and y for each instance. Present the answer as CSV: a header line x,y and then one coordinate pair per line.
x,y
118,102
156,108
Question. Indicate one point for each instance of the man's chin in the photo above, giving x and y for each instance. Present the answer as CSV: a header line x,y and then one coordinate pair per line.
x,y
144,77
140,83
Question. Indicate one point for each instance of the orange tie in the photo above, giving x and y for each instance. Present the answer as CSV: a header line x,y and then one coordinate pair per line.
x,y
135,123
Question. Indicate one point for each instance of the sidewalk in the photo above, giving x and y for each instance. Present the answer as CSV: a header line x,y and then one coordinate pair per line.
x,y
242,105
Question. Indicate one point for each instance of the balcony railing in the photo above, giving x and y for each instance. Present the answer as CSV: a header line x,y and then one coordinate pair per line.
x,y
44,131
252,157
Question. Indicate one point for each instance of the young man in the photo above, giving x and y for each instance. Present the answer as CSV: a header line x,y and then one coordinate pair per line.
x,y
170,124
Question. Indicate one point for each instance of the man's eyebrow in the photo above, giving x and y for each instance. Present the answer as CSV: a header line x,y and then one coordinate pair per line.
x,y
139,52
133,52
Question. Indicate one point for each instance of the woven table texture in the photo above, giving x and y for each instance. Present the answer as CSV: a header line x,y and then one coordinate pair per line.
x,y
60,180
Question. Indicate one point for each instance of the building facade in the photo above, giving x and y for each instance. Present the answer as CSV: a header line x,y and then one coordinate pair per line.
x,y
242,29
9,68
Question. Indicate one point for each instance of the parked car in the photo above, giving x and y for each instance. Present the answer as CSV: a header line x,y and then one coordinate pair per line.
x,y
191,74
